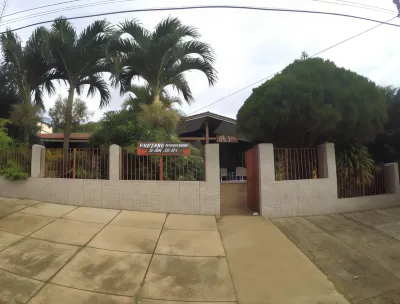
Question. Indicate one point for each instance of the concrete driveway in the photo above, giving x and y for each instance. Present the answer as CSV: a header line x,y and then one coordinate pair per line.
x,y
359,252
53,253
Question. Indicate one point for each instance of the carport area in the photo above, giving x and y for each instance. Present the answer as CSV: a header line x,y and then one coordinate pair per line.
x,y
359,252
53,253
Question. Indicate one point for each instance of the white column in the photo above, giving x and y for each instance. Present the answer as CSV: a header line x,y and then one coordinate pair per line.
x,y
391,173
114,164
38,161
326,161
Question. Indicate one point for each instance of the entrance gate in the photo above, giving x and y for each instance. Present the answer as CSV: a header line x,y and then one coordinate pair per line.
x,y
253,179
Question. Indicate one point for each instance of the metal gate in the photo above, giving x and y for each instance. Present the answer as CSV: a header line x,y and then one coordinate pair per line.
x,y
253,179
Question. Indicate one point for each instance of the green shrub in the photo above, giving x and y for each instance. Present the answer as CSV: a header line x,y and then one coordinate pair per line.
x,y
14,173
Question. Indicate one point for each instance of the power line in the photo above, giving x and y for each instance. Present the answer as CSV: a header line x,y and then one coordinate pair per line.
x,y
39,14
372,6
61,10
272,75
210,7
39,7
380,10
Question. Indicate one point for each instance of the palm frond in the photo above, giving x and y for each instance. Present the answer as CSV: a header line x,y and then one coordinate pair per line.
x,y
97,84
180,84
137,32
187,64
195,47
63,32
170,100
173,26
98,31
38,98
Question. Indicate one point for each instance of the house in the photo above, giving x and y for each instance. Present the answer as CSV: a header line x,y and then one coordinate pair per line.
x,y
56,140
45,126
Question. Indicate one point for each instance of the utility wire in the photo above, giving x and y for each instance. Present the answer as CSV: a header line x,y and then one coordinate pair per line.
x,y
39,7
372,6
44,13
61,10
272,75
358,6
180,8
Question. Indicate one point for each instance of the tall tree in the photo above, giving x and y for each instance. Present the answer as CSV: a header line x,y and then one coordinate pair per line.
x,y
312,101
29,75
161,57
80,113
386,146
79,62
154,115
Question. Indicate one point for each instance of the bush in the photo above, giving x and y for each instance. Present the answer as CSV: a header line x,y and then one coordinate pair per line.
x,y
14,173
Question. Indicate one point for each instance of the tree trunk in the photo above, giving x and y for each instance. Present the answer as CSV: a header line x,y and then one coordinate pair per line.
x,y
27,131
68,118
156,98
27,127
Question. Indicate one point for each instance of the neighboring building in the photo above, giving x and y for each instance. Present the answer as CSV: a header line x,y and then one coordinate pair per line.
x,y
45,126
198,129
55,140
208,127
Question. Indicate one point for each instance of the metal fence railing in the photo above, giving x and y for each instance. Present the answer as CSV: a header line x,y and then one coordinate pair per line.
x,y
77,163
172,168
19,157
295,164
350,185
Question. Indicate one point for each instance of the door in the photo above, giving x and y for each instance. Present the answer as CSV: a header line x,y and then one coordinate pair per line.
x,y
253,180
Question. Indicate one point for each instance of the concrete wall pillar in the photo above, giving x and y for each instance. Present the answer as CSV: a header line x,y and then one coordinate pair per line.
x,y
267,163
326,158
114,163
38,161
210,190
391,173
267,191
211,152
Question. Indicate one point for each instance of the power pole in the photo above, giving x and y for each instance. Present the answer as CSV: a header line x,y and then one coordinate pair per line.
x,y
397,3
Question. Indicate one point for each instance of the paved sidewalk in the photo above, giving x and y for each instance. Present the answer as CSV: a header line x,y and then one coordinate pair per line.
x,y
63,254
359,251
267,268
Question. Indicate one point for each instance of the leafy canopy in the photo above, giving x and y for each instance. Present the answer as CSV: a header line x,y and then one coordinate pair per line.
x,y
161,57
311,101
80,113
123,128
27,76
386,146
79,61
5,140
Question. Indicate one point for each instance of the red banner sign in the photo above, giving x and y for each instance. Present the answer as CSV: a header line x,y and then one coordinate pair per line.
x,y
154,148
226,139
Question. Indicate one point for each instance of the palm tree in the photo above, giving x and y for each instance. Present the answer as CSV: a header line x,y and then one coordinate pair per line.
x,y
143,95
161,57
79,62
160,115
28,74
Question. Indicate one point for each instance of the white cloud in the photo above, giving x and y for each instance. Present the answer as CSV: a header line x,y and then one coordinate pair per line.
x,y
251,45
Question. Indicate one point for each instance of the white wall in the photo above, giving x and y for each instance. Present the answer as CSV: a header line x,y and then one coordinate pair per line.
x,y
316,196
156,196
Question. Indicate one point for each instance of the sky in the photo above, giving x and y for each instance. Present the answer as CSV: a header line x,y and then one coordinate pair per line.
x,y
249,45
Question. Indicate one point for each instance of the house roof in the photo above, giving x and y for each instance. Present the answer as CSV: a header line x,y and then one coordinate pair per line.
x,y
82,137
218,125
211,115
